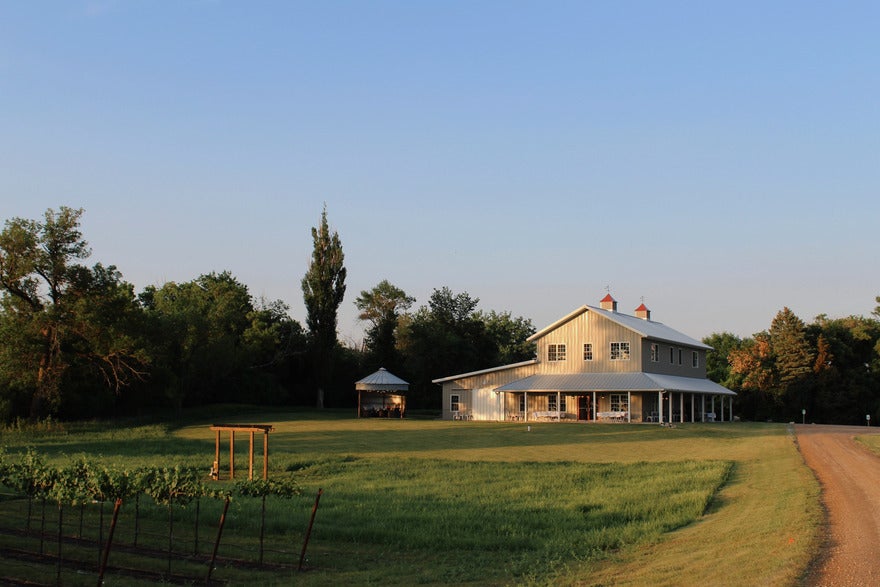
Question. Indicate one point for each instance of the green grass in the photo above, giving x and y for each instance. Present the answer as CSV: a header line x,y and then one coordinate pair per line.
x,y
435,502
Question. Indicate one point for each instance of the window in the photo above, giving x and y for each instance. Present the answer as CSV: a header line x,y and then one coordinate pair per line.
x,y
695,359
679,356
555,352
655,352
454,401
551,402
619,402
522,402
671,355
620,351
588,351
562,406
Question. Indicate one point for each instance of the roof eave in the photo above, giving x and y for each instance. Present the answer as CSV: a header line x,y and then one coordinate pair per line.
x,y
484,371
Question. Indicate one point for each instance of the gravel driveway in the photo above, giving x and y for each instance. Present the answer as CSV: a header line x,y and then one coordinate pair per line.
x,y
850,478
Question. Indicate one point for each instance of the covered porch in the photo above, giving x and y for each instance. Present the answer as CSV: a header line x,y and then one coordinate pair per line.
x,y
616,397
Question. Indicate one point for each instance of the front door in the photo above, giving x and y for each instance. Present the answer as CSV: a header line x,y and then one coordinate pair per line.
x,y
585,407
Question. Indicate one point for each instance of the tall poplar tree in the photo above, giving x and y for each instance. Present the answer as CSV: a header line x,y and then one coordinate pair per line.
x,y
323,289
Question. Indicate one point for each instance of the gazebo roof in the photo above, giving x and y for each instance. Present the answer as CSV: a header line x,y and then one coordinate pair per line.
x,y
381,380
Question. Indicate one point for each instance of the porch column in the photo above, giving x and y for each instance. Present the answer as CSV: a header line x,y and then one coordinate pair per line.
x,y
670,408
681,408
731,409
660,406
595,408
558,406
722,408
629,405
693,406
713,404
526,406
703,409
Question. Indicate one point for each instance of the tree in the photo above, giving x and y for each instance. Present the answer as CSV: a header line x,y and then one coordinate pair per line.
x,y
509,335
52,302
323,290
382,307
717,359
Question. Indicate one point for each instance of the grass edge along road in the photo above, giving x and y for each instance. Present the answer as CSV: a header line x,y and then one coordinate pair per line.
x,y
763,529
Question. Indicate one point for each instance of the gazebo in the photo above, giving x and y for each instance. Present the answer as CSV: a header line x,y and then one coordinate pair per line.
x,y
381,395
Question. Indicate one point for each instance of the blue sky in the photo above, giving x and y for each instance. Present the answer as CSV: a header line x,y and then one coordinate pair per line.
x,y
720,160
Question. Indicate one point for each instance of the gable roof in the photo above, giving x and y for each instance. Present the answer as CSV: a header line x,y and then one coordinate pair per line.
x,y
646,328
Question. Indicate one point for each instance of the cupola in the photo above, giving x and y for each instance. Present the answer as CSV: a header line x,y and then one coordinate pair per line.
x,y
643,312
608,303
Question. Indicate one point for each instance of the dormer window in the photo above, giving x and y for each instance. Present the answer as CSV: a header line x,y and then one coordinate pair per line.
x,y
555,352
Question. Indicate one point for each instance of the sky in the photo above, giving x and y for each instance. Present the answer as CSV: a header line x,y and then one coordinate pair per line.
x,y
717,160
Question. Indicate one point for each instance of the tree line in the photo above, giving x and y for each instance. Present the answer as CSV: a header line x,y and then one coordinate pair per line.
x,y
77,341
827,371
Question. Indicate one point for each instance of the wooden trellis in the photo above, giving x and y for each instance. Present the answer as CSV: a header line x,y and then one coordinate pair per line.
x,y
233,428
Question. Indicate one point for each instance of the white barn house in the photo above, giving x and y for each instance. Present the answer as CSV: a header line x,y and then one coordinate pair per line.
x,y
596,364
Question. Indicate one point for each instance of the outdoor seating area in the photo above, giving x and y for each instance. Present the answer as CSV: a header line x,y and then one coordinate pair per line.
x,y
612,416
550,415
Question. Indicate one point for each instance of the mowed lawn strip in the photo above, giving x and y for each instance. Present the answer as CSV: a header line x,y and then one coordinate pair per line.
x,y
426,501
763,529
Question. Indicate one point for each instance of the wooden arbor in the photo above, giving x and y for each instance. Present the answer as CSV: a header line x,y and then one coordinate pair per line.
x,y
233,428
381,394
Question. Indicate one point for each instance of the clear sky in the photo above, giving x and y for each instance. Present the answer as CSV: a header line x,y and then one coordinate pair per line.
x,y
720,160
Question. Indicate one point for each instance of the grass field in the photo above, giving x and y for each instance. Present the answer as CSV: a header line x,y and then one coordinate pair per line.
x,y
433,502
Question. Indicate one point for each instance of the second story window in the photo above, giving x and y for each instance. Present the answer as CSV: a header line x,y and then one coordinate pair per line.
x,y
620,351
555,352
695,359
655,352
588,351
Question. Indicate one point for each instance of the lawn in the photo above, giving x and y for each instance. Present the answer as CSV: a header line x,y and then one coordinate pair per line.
x,y
433,502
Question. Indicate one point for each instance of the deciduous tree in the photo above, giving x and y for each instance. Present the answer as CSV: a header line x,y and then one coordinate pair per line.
x,y
323,290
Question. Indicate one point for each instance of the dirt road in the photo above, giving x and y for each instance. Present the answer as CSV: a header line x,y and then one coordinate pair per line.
x,y
850,478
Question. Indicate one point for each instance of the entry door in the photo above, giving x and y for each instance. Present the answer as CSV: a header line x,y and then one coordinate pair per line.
x,y
585,408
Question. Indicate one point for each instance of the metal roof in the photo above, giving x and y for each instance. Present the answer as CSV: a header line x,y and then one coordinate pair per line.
x,y
381,380
615,382
647,328
484,371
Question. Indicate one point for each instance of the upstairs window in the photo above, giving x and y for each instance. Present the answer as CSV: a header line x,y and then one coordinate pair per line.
x,y
671,355
588,351
555,352
679,356
620,351
655,352
695,359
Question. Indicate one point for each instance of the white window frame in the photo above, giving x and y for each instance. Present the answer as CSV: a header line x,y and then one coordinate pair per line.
x,y
551,402
562,403
695,359
619,402
588,351
620,351
655,352
556,352
455,402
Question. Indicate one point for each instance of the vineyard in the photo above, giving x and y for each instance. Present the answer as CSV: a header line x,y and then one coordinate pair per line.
x,y
83,524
